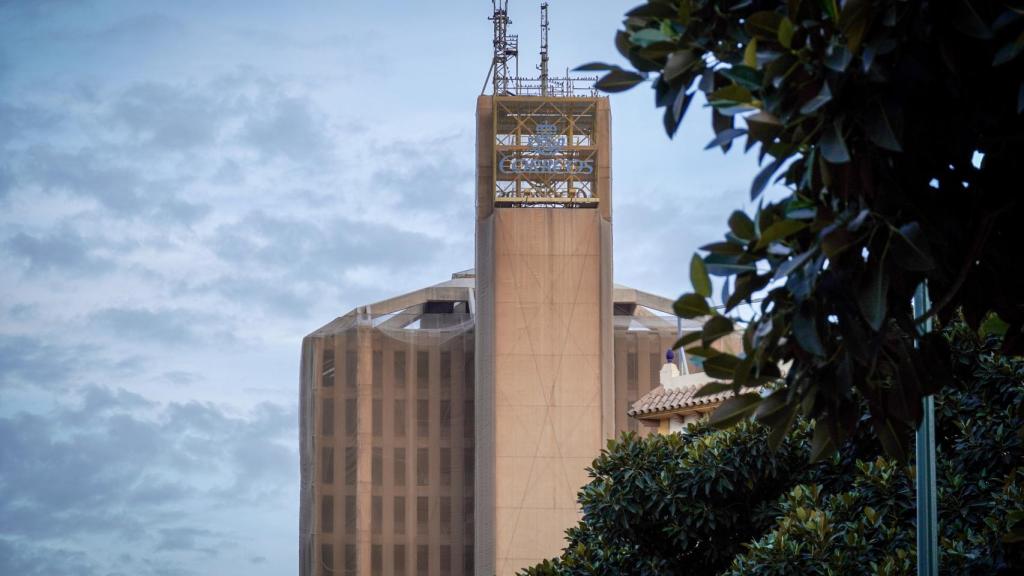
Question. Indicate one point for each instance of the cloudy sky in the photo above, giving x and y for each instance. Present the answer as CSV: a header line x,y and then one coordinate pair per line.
x,y
189,187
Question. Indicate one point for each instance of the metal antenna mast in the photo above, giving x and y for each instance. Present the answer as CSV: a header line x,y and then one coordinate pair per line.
x,y
544,49
506,47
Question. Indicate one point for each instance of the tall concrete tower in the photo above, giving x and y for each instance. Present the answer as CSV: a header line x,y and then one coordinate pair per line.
x,y
544,341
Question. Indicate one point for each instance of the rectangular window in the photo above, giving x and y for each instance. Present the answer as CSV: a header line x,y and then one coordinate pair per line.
x,y
378,418
446,374
399,467
400,370
422,466
377,467
422,373
378,372
422,515
423,418
467,518
422,560
350,560
376,560
446,515
376,514
351,464
350,514
446,418
327,465
327,365
327,514
327,416
399,514
400,418
398,568
446,467
468,375
350,368
327,558
446,559
467,560
350,417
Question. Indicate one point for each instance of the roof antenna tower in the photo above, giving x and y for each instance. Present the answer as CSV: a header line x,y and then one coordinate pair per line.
x,y
506,48
544,49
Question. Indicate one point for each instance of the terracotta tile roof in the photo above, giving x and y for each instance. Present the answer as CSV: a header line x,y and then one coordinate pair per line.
x,y
666,400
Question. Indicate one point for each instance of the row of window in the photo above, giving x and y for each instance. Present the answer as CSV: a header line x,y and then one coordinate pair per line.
x,y
398,526
347,566
398,464
400,370
399,417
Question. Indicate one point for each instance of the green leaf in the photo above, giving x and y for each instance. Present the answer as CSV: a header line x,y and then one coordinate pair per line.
x,y
618,80
779,231
725,138
805,330
712,388
786,33
1009,52
715,328
764,25
893,441
911,251
833,147
872,296
880,130
821,444
721,366
723,248
647,36
823,97
968,21
699,277
652,10
763,177
853,21
734,410
678,63
688,339
691,306
595,66
722,265
742,226
729,96
744,76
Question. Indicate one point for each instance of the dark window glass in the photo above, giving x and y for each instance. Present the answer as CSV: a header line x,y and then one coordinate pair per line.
x,y
350,560
422,418
446,559
327,464
446,374
327,514
327,366
327,558
400,370
631,370
350,368
467,561
376,514
351,464
327,416
469,375
467,468
378,371
422,466
376,560
446,467
399,565
422,514
399,514
399,467
377,466
446,418
446,515
422,560
467,518
422,373
468,420
400,418
350,514
350,417
378,418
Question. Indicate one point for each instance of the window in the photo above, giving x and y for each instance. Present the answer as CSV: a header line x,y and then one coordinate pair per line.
x,y
350,514
350,417
422,466
446,374
422,373
399,467
446,515
376,560
327,365
446,418
422,418
468,412
350,368
327,558
467,518
327,416
327,514
468,375
422,560
399,515
378,372
377,466
351,464
399,418
327,465
398,567
631,371
467,468
400,370
422,514
446,559
446,467
378,418
467,560
376,514
350,560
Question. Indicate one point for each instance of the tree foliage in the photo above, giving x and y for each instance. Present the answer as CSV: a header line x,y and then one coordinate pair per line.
x,y
722,502
897,129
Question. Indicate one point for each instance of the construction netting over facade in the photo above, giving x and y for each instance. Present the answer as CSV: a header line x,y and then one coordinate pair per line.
x,y
388,428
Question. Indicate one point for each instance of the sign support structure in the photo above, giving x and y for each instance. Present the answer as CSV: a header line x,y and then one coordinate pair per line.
x,y
927,496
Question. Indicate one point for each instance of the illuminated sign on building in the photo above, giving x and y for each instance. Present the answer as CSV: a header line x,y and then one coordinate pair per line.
x,y
547,156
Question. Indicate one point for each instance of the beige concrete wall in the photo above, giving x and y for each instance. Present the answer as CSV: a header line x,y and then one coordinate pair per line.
x,y
547,375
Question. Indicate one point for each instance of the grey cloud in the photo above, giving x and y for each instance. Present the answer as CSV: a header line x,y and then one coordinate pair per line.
x,y
32,362
169,117
134,481
63,251
169,326
38,560
6,180
292,129
141,27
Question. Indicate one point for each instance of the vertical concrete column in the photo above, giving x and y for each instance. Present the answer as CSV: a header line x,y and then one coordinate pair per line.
x,y
364,446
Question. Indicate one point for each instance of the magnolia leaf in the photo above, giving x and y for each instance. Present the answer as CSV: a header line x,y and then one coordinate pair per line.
x,y
824,96
880,130
785,35
821,444
722,366
688,339
713,388
744,76
726,248
618,80
968,21
731,95
678,62
691,306
595,66
853,22
715,328
910,249
699,277
750,54
722,265
763,177
833,147
725,138
779,231
805,329
872,296
742,226
764,25
735,410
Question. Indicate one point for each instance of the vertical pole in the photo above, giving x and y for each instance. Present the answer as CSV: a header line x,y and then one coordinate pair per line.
x,y
927,505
